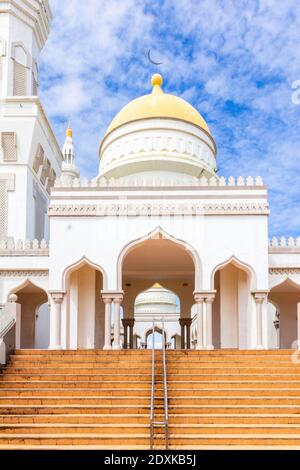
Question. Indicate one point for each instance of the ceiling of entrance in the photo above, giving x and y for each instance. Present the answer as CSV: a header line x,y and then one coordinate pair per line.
x,y
158,259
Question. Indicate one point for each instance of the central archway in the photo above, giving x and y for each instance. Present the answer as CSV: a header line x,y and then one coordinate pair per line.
x,y
163,259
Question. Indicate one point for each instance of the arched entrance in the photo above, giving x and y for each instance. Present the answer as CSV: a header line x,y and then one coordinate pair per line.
x,y
31,298
83,326
286,296
156,338
232,306
157,305
163,260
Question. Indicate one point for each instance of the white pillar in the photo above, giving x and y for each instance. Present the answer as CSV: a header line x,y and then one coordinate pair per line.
x,y
259,298
199,299
107,322
209,301
117,302
57,299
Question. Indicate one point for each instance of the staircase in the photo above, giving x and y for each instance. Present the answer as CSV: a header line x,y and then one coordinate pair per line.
x,y
98,399
230,398
101,400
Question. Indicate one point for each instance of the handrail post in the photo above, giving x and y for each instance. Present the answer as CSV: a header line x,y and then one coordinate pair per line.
x,y
166,408
152,391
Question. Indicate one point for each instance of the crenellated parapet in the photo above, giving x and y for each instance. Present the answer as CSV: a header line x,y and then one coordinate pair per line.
x,y
160,181
284,242
23,248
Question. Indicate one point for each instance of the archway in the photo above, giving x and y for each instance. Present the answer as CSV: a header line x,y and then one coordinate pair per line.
x,y
286,296
157,305
156,338
232,306
30,297
163,260
84,308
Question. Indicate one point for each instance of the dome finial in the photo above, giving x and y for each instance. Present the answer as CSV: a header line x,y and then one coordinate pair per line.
x,y
69,132
157,80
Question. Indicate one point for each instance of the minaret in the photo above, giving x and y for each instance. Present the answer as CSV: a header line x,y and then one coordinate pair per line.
x,y
69,170
30,156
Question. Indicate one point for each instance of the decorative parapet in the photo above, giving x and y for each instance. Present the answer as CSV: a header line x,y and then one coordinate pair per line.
x,y
284,242
139,181
19,248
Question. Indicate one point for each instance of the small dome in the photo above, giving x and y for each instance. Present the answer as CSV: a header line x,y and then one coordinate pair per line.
x,y
158,105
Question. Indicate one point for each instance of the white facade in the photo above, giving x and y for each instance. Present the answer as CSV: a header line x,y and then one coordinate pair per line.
x,y
156,212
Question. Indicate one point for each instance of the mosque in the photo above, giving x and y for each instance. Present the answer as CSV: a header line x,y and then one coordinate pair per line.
x,y
156,235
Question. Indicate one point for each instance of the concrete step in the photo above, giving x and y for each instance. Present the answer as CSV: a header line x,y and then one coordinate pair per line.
x,y
74,409
91,400
173,393
77,418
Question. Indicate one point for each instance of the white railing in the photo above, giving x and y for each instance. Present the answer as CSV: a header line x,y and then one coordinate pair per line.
x,y
285,242
140,181
10,317
26,246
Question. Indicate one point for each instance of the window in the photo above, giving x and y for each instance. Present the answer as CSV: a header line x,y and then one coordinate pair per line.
x,y
20,71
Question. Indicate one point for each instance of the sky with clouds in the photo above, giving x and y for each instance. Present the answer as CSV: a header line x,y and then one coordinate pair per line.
x,y
234,60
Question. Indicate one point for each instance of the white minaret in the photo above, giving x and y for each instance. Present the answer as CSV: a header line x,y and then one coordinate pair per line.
x,y
30,156
69,171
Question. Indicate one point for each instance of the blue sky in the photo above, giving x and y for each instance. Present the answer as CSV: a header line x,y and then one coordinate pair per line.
x,y
234,60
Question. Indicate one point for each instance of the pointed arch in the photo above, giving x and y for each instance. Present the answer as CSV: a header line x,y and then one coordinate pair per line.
x,y
159,233
77,265
238,264
26,283
286,279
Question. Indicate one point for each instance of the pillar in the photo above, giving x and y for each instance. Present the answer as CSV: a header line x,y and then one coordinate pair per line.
x,y
182,324
57,299
125,328
117,303
188,333
107,322
209,301
131,325
199,299
259,298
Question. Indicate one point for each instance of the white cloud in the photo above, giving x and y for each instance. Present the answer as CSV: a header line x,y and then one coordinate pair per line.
x,y
234,60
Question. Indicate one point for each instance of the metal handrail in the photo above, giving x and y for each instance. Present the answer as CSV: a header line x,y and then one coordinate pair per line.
x,y
166,406
152,391
166,409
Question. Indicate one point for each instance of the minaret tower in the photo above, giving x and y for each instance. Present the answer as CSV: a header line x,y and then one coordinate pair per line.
x,y
30,157
69,171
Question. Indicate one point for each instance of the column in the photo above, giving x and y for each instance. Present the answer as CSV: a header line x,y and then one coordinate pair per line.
x,y
182,324
125,328
131,325
107,322
188,333
199,299
117,303
57,299
209,301
259,298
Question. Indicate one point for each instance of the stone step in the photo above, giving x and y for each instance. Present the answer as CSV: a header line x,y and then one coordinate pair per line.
x,y
108,384
143,439
74,409
62,368
180,419
125,428
173,393
102,392
82,400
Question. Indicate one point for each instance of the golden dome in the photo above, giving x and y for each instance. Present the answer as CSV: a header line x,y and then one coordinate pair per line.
x,y
158,105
